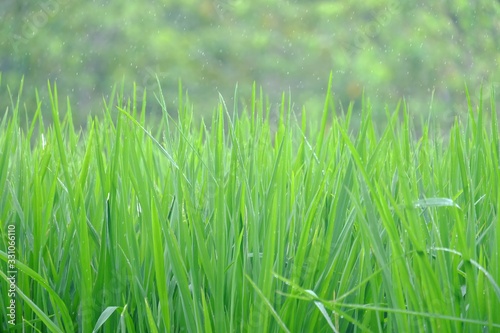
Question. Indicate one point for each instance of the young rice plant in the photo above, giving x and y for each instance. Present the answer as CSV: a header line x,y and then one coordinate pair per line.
x,y
240,224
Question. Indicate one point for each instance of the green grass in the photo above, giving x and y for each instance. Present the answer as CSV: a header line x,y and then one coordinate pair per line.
x,y
242,225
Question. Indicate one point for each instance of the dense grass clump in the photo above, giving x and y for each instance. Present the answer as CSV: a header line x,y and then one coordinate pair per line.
x,y
240,225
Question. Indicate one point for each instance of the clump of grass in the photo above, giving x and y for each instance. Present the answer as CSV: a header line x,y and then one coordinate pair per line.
x,y
233,227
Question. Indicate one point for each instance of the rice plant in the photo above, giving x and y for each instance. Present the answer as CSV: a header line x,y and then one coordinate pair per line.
x,y
237,224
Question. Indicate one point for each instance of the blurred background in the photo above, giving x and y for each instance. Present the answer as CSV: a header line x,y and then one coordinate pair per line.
x,y
390,50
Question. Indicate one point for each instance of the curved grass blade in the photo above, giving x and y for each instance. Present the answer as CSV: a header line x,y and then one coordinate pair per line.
x,y
104,317
42,315
435,202
68,323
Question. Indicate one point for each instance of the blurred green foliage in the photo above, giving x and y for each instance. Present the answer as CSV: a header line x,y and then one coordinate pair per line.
x,y
390,49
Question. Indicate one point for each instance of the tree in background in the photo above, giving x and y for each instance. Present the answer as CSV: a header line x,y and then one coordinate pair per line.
x,y
391,49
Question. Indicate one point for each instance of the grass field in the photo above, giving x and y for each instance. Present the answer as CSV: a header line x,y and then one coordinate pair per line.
x,y
241,225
